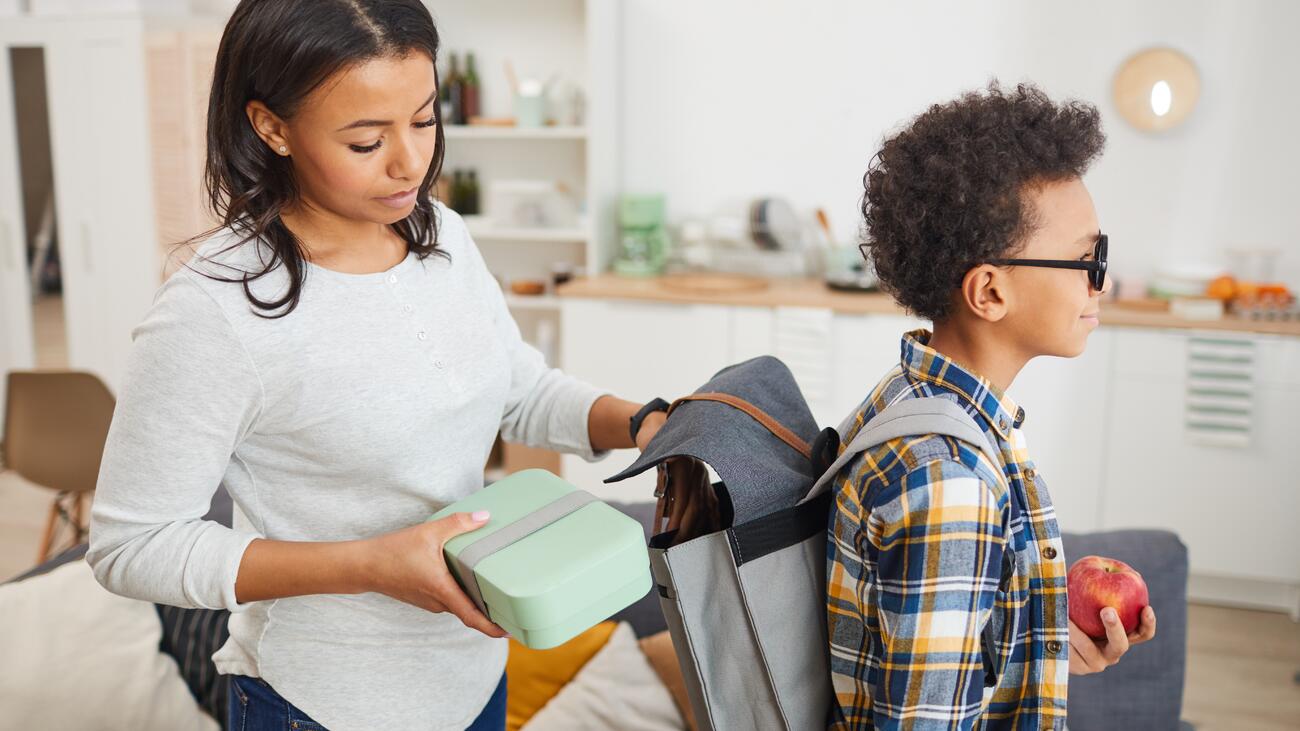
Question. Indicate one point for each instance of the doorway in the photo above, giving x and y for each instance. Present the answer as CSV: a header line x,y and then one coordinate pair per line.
x,y
36,169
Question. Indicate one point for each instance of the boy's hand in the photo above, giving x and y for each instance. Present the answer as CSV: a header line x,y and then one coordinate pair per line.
x,y
1089,656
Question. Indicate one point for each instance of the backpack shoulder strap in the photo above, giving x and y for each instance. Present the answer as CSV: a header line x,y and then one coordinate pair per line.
x,y
917,416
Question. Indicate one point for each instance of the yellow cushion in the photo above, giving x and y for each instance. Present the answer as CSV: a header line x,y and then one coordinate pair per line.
x,y
535,676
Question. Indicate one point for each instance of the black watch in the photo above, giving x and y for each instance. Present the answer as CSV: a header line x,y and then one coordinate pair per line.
x,y
655,405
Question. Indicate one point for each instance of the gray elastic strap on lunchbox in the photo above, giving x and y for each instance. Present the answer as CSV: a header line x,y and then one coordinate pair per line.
x,y
471,555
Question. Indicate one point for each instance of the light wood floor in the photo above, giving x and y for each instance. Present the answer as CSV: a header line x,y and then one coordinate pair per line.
x,y
49,332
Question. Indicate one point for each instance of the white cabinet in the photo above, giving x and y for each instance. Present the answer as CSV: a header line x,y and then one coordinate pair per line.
x,y
16,345
104,190
1065,403
577,45
1065,400
99,140
1107,429
1236,507
638,351
866,348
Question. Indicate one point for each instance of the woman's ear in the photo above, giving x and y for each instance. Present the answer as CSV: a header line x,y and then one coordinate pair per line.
x,y
268,126
986,292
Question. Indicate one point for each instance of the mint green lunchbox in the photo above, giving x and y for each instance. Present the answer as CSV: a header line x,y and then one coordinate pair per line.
x,y
551,562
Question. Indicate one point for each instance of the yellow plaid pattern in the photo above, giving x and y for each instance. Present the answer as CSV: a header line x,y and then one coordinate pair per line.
x,y
946,599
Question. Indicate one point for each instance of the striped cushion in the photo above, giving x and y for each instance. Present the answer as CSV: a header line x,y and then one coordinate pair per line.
x,y
191,636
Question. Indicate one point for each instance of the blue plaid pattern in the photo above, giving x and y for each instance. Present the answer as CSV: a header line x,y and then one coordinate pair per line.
x,y
946,598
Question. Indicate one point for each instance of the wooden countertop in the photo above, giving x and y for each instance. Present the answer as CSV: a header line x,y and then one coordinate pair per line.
x,y
802,292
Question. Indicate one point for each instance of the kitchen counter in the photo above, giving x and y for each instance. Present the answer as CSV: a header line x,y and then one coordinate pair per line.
x,y
802,292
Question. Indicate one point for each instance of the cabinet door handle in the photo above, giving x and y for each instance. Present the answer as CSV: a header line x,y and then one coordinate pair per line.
x,y
6,241
85,247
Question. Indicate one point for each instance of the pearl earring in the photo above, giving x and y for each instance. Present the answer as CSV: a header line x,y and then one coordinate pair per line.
x,y
283,149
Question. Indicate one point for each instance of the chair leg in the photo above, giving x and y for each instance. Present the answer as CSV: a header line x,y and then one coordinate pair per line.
x,y
48,539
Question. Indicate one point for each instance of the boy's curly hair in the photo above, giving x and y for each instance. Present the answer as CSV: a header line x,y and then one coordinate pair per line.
x,y
945,194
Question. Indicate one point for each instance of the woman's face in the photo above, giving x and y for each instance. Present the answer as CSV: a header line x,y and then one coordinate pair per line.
x,y
362,142
1055,310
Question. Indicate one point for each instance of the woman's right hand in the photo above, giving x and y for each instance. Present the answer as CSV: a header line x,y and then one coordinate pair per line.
x,y
409,566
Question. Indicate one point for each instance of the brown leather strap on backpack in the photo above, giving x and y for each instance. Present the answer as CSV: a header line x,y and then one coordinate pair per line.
x,y
772,425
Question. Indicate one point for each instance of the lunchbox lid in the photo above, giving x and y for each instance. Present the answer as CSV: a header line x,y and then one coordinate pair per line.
x,y
559,570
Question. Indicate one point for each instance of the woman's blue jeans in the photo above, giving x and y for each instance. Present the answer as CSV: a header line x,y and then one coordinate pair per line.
x,y
255,706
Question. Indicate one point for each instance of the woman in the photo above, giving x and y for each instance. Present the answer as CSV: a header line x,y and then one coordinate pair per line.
x,y
338,356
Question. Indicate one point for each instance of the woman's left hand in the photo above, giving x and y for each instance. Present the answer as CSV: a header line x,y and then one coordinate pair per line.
x,y
1088,656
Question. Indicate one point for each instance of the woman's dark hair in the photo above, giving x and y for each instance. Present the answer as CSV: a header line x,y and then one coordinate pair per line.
x,y
946,194
278,52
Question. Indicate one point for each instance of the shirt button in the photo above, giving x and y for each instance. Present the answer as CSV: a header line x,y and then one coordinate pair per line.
x,y
439,364
421,335
1053,647
1030,474
407,308
1049,553
392,279
1002,423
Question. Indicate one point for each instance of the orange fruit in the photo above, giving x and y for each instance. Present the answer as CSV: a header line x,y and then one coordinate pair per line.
x,y
1222,288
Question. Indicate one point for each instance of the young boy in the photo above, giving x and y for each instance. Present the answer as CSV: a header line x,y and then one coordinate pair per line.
x,y
946,578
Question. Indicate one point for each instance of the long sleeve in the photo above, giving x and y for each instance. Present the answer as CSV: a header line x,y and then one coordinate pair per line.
x,y
189,395
939,538
545,407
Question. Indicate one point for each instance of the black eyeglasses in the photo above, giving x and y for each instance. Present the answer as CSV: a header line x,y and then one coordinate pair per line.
x,y
1096,268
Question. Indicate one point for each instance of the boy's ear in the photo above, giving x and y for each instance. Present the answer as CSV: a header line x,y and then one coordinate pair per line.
x,y
985,293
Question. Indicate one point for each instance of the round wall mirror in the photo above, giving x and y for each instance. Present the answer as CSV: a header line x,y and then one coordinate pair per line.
x,y
1156,89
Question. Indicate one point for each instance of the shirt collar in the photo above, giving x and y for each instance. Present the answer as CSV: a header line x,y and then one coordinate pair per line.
x,y
923,363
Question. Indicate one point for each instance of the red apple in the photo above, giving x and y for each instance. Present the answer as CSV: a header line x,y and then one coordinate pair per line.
x,y
1095,582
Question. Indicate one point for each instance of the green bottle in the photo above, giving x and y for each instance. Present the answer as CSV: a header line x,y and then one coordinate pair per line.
x,y
471,194
455,87
470,96
457,201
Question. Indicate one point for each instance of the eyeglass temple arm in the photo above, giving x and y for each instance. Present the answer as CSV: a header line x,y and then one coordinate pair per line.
x,y
1084,265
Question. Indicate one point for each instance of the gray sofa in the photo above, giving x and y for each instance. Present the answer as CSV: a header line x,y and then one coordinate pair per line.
x,y
1145,691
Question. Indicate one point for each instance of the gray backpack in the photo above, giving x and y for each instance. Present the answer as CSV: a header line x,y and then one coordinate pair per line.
x,y
746,606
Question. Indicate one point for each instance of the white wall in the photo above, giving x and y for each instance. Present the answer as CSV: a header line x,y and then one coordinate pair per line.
x,y
729,99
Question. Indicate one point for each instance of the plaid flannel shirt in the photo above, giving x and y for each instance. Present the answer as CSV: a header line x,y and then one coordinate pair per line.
x,y
946,600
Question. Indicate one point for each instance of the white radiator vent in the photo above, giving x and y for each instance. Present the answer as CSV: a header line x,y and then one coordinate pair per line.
x,y
1220,400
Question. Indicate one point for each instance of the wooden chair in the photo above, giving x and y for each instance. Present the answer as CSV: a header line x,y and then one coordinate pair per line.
x,y
55,426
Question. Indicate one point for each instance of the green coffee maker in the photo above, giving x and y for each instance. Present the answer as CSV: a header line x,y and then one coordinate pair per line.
x,y
643,236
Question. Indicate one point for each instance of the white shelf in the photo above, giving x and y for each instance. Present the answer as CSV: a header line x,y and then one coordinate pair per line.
x,y
488,232
486,132
536,303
